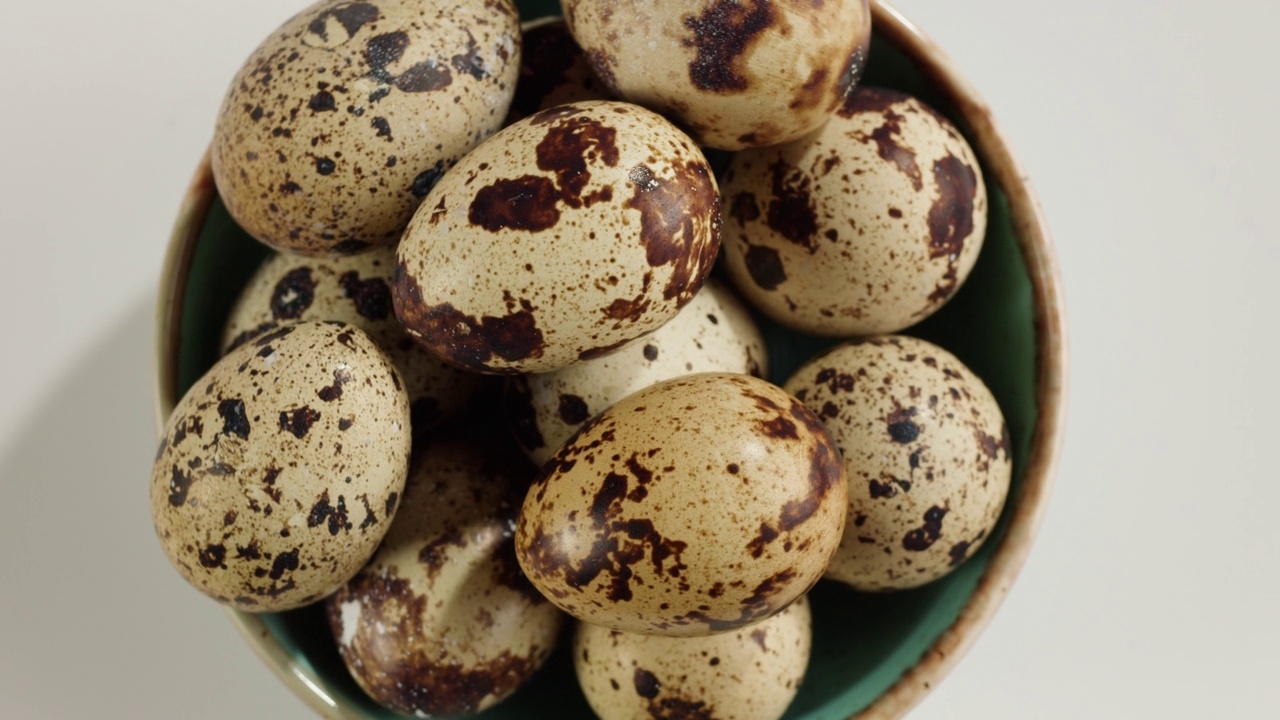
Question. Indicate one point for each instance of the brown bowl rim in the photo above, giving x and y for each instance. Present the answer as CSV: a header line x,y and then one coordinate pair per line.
x,y
1051,369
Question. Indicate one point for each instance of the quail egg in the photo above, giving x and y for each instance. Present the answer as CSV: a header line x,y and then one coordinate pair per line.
x,y
927,454
280,470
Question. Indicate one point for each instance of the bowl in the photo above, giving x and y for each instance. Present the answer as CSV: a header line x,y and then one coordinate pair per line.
x,y
875,655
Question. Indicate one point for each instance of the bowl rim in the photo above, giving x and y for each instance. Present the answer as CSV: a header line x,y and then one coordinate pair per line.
x,y
1051,373
1049,321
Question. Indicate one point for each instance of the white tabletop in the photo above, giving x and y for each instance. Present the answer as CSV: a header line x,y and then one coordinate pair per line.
x,y
1149,131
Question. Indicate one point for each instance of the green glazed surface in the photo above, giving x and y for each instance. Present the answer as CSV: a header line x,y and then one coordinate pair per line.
x,y
862,642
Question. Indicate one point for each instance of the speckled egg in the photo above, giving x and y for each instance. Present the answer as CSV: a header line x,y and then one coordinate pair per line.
x,y
442,622
696,506
279,471
927,455
355,289
867,226
736,74
553,70
713,333
340,122
565,236
752,672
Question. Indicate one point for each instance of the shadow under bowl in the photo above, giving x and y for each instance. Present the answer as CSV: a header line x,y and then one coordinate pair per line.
x,y
875,655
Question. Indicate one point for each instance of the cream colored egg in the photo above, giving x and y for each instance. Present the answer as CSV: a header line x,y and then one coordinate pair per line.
x,y
866,226
565,236
696,506
713,333
927,454
553,70
280,469
342,120
354,289
748,674
442,622
737,74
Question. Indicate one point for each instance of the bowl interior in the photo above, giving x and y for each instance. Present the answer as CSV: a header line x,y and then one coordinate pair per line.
x,y
863,643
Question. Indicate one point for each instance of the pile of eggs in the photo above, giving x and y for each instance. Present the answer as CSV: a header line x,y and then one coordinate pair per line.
x,y
489,385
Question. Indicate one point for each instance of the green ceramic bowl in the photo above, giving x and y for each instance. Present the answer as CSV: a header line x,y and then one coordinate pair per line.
x,y
874,656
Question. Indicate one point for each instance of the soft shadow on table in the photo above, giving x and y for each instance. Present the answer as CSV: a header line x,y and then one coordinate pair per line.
x,y
93,621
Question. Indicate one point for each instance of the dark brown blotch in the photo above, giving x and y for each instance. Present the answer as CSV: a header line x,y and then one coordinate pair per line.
x,y
372,297
461,339
427,179
744,208
470,62
329,393
722,35
283,563
298,421
951,214
923,537
179,486
902,427
764,265
573,410
234,421
791,212
352,17
335,515
426,76
766,535
527,203
646,684
568,147
293,294
213,557
629,310
679,223
825,472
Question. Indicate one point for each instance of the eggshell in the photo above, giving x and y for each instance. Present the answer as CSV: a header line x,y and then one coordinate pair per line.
x,y
342,120
867,226
442,622
696,506
562,238
354,289
752,672
553,71
714,332
280,469
926,450
737,75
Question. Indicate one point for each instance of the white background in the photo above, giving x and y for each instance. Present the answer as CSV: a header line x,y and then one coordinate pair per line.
x,y
1149,130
